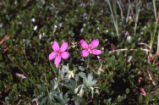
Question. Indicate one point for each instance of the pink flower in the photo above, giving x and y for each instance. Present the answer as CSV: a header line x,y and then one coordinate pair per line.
x,y
90,48
58,52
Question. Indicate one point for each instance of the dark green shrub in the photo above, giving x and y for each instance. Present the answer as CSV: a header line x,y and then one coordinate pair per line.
x,y
27,29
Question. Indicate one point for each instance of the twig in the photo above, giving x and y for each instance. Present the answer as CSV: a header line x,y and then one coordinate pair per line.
x,y
21,75
119,50
141,43
19,102
37,103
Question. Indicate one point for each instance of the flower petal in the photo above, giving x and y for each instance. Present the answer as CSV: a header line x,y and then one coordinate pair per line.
x,y
84,53
64,46
55,46
57,60
83,44
94,44
52,56
96,52
65,55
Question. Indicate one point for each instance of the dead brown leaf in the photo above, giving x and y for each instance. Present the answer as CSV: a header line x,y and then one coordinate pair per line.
x,y
6,37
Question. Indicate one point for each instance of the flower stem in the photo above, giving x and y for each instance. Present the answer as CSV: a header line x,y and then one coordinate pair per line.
x,y
47,84
88,62
58,74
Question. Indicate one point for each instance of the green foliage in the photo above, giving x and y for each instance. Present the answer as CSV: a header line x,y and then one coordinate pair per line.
x,y
28,27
